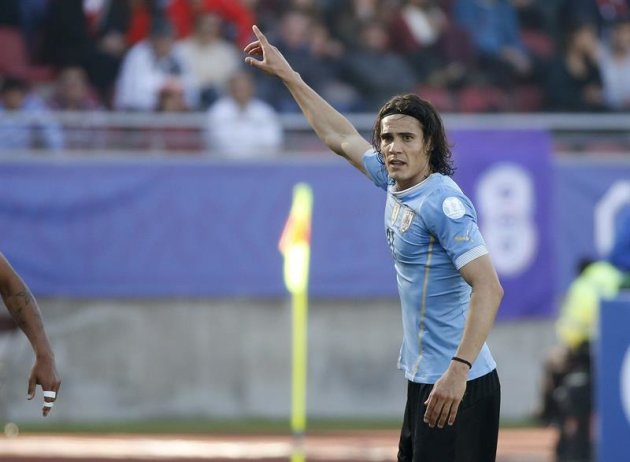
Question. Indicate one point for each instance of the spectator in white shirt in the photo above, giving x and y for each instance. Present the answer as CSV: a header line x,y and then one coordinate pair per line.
x,y
210,57
149,66
242,126
615,66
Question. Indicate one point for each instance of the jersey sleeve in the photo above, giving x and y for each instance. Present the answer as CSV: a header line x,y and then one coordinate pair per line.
x,y
375,169
451,218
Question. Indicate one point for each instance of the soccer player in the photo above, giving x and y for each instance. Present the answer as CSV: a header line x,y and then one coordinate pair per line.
x,y
24,310
453,397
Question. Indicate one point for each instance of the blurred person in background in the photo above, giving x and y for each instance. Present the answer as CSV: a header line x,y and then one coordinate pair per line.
x,y
174,138
241,126
615,66
415,33
574,81
598,12
295,40
494,29
567,393
210,57
89,34
148,66
72,92
453,401
22,307
372,53
172,98
236,14
330,51
345,17
38,130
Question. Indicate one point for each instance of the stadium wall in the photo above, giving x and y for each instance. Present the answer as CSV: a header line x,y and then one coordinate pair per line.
x,y
230,358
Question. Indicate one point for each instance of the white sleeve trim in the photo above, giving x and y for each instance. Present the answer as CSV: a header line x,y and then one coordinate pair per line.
x,y
469,256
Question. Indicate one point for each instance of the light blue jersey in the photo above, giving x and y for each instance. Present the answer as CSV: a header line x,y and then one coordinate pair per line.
x,y
432,232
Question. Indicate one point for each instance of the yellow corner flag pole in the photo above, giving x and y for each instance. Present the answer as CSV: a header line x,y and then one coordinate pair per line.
x,y
295,246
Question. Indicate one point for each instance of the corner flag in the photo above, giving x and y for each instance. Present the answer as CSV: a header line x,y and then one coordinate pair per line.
x,y
295,246
295,241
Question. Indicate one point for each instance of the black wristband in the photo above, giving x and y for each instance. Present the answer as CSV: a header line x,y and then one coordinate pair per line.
x,y
461,360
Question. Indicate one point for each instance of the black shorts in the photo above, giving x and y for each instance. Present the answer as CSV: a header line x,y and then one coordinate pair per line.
x,y
473,436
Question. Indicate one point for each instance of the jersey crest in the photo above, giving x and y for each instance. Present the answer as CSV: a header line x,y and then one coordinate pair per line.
x,y
406,220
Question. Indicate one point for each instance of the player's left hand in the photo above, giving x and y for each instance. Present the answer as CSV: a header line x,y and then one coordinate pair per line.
x,y
44,373
446,396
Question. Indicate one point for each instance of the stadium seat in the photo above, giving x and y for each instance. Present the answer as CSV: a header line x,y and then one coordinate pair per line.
x,y
476,99
14,59
527,98
439,97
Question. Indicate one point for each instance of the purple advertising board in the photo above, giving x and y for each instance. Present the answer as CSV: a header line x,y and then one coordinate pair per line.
x,y
198,228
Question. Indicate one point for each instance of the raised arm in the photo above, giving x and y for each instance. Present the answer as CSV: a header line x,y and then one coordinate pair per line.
x,y
24,310
330,126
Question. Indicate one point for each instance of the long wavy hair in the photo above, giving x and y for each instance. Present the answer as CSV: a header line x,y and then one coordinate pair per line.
x,y
440,157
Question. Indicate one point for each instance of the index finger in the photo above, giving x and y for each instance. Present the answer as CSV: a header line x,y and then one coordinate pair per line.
x,y
259,35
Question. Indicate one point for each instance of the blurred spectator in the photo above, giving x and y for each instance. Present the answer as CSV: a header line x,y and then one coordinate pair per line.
x,y
149,66
39,130
415,32
174,138
345,17
171,98
72,92
574,82
241,126
494,29
567,381
211,59
536,32
439,50
598,12
615,66
182,14
331,53
89,34
372,54
295,34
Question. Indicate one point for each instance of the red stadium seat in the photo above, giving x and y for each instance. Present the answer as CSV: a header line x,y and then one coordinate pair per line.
x,y
527,98
439,97
476,99
14,59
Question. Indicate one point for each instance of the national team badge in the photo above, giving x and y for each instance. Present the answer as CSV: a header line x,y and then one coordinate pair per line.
x,y
395,211
407,218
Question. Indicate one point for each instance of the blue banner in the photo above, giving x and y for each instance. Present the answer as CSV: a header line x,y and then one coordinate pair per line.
x,y
590,200
612,387
149,228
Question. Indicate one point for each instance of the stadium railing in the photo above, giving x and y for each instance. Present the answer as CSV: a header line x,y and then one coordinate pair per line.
x,y
103,132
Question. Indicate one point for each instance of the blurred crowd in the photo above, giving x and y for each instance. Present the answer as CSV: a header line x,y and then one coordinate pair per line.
x,y
465,56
